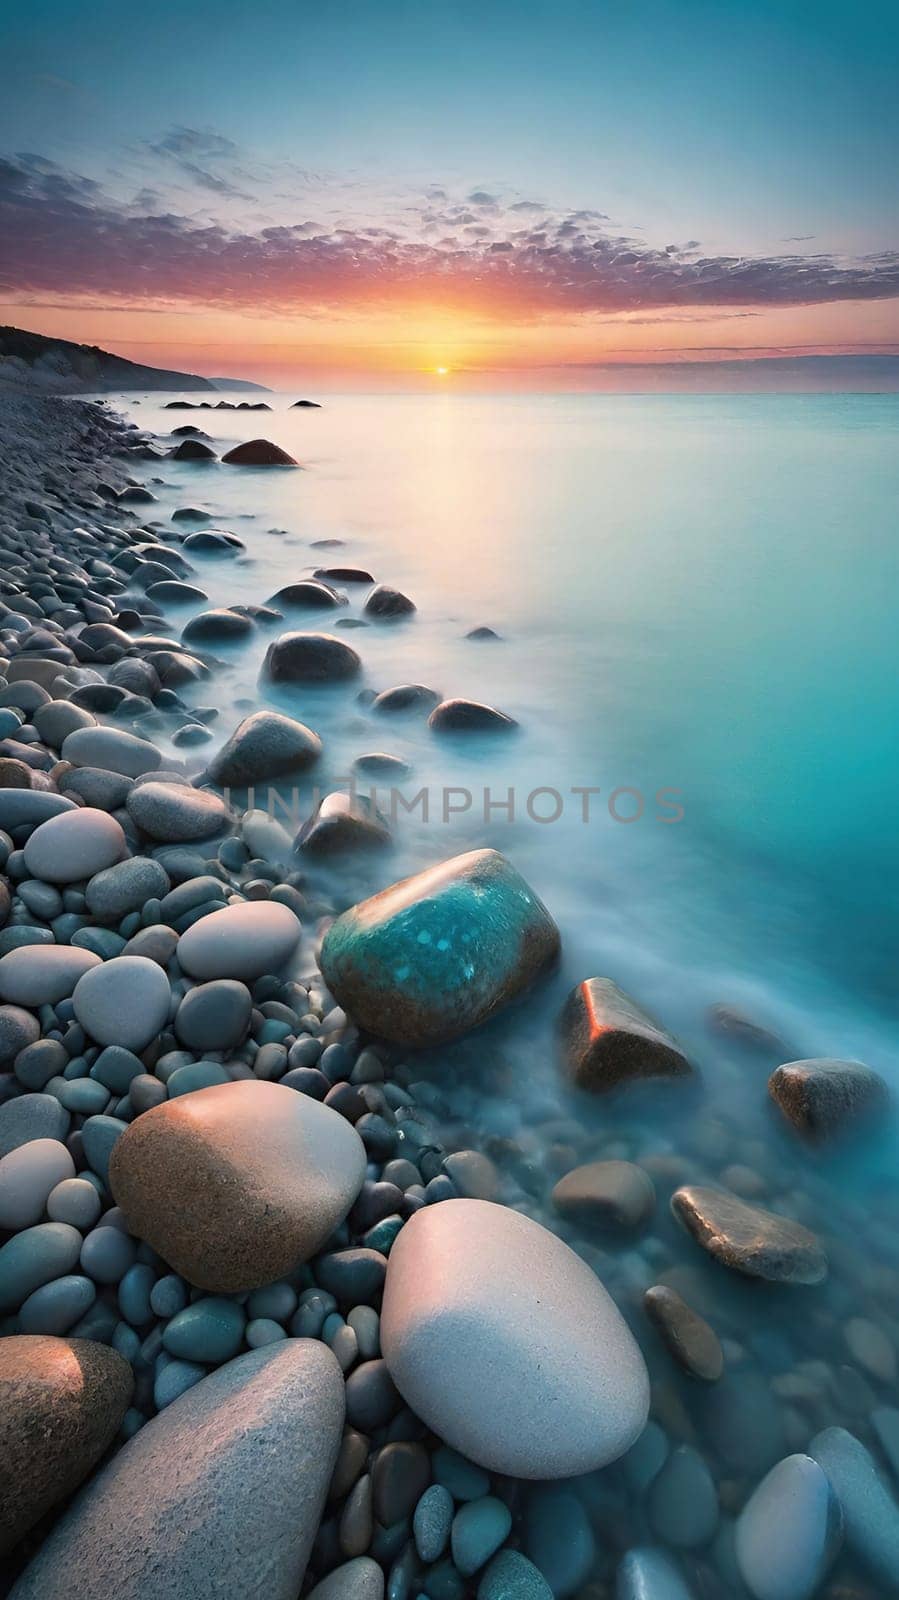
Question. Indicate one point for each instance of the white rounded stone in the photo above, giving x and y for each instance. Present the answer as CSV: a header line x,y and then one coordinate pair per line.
x,y
506,1344
74,846
242,941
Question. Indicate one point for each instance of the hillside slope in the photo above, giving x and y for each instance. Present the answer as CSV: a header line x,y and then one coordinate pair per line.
x,y
34,360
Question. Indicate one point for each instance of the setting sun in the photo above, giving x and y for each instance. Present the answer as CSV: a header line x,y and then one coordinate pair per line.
x,y
442,372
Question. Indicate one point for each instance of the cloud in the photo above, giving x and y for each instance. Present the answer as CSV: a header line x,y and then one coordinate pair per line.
x,y
64,235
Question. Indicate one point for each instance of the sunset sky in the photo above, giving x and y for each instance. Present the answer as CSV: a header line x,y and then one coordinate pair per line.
x,y
516,191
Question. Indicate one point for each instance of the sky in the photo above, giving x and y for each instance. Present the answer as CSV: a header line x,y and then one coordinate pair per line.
x,y
422,191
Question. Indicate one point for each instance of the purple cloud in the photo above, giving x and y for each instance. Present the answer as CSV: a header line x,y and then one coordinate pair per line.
x,y
62,234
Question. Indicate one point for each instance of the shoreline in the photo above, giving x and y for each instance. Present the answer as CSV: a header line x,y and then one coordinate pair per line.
x,y
118,1058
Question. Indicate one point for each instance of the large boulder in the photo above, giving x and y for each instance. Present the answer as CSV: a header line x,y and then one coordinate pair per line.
x,y
438,953
237,1184
61,1403
310,658
221,1494
507,1345
607,1040
264,745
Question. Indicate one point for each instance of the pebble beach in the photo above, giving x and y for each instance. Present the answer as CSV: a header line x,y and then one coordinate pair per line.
x,y
304,1288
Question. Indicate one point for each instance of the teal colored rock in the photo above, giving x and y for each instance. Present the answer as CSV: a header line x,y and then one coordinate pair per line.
x,y
174,1379
789,1532
221,1494
34,1257
650,1575
84,1096
511,1576
437,954
31,1116
210,1330
462,1478
99,1135
116,1068
57,1306
870,1513
559,1539
198,1075
432,1521
479,1528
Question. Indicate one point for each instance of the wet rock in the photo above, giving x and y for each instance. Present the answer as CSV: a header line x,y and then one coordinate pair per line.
x,y
748,1239
385,602
310,658
113,750
193,450
647,1574
559,1539
30,1116
343,823
607,1040
214,1016
870,1513
258,453
437,954
112,894
34,1257
789,1532
28,808
359,1579
174,592
237,1184
220,626
732,1023
872,1349
823,1098
241,941
265,745
693,1344
683,1502
377,764
482,633
469,716
560,1390
62,1403
213,542
405,697
220,1494
511,1576
308,592
606,1194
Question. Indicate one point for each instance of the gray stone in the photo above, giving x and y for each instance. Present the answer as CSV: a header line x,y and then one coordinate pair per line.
x,y
683,1501
273,1171
220,1494
214,1016
343,823
74,846
107,791
27,1176
241,941
310,658
265,745
606,1194
554,1392
748,1239
124,1001
112,749
693,1344
24,808
43,974
824,1098
31,1116
870,1513
174,813
111,894
18,1029
607,1040
34,1257
469,716
387,602
359,1579
58,718
789,1532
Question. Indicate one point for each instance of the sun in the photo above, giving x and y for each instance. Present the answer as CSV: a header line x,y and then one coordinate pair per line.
x,y
441,372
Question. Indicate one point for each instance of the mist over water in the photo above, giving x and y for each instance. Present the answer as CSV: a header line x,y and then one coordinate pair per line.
x,y
693,593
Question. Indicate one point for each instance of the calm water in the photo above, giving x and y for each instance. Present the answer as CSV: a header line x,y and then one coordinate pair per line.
x,y
692,594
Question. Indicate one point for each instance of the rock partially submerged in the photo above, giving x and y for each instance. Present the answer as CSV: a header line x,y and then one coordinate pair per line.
x,y
823,1098
220,1494
607,1040
265,745
258,453
469,716
506,1344
693,1344
310,658
615,1195
237,1184
61,1403
750,1240
438,953
789,1533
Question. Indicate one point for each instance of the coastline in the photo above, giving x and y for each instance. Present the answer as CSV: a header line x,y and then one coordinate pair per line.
x,y
97,578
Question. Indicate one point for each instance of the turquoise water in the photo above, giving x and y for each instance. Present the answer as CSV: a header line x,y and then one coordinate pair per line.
x,y
693,593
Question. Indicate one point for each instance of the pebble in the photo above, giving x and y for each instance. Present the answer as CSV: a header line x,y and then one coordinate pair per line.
x,y
75,1201
870,1513
18,1030
27,1176
210,1330
176,814
277,1172
266,744
400,966
400,1474
683,1501
649,1575
41,975
359,1579
111,894
511,1576
823,1098
432,1522
113,750
748,1239
124,1001
789,1532
63,1402
34,1257
310,658
454,1273
693,1344
872,1348
558,1538
30,1116
214,1016
74,846
241,941
469,716
605,1194
478,1530
221,1493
